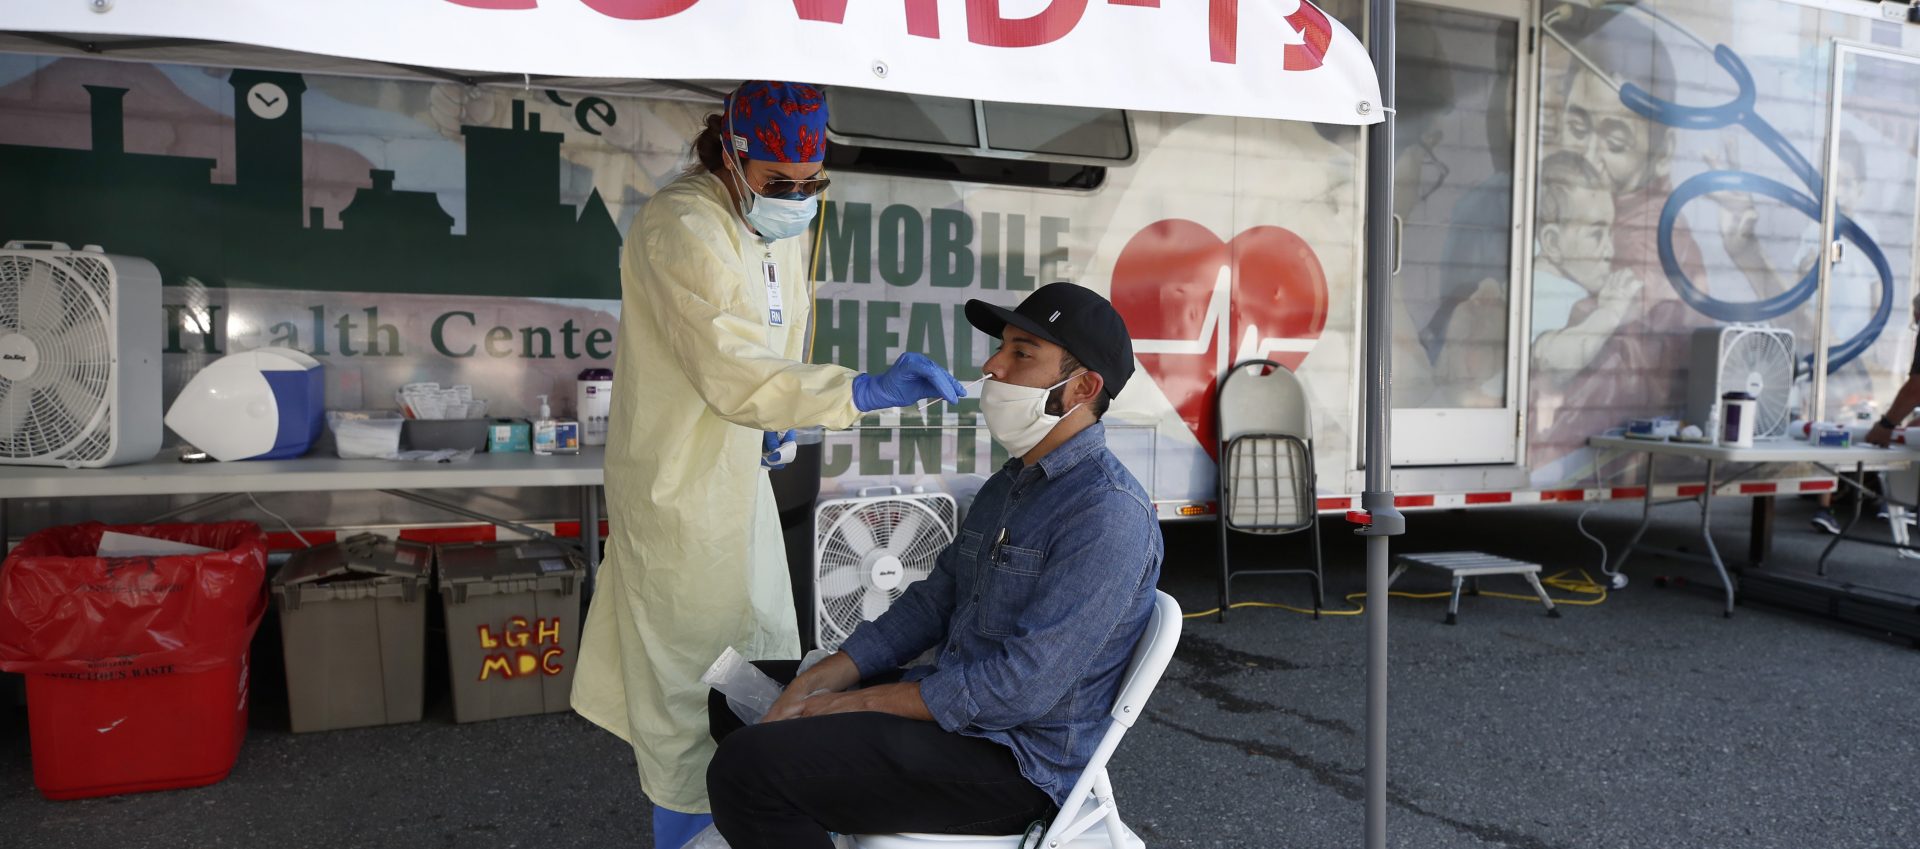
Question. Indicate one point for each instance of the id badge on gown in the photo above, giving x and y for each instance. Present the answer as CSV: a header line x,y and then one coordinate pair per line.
x,y
776,306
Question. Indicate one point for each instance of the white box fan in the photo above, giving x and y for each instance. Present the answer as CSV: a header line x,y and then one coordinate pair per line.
x,y
80,338
1742,358
868,550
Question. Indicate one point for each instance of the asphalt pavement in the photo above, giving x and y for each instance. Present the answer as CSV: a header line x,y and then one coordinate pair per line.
x,y
1648,720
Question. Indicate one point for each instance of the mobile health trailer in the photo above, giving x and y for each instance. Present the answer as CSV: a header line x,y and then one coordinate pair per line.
x,y
329,243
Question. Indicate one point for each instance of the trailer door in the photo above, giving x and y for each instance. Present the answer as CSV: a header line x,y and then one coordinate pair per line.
x,y
1461,142
1868,220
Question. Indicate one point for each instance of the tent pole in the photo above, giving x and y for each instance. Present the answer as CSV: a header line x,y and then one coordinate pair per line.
x,y
1377,498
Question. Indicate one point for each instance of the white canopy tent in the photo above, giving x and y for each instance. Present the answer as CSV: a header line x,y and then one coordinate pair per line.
x,y
1282,59
1275,59
226,55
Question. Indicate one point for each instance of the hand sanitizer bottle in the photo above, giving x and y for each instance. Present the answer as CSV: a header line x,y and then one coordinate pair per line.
x,y
546,431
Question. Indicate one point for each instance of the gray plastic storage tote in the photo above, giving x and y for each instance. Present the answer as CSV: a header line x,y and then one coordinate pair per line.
x,y
353,626
513,626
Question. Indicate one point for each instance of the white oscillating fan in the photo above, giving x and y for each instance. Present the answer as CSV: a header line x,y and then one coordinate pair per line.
x,y
1747,358
868,550
79,356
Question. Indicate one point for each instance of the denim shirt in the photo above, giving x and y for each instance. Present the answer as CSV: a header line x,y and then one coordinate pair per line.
x,y
1034,610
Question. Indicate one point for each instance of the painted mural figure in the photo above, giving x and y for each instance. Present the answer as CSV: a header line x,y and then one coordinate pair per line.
x,y
1762,253
711,361
1623,350
1579,299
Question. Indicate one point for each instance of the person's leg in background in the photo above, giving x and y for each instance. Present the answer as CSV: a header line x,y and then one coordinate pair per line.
x,y
1882,486
1823,520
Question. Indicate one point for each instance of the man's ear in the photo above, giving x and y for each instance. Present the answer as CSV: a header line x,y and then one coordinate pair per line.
x,y
1086,388
1549,236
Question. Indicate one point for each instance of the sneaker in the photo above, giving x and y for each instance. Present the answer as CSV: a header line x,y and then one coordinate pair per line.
x,y
1907,516
1824,523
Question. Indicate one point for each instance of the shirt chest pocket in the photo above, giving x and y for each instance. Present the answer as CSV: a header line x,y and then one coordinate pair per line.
x,y
968,547
1009,582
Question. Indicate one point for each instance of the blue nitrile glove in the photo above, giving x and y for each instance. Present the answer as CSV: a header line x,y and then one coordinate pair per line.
x,y
912,378
769,443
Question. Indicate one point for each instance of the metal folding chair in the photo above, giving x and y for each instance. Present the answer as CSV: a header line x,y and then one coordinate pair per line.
x,y
1266,481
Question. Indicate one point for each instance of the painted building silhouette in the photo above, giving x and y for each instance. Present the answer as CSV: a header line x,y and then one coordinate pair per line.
x,y
522,240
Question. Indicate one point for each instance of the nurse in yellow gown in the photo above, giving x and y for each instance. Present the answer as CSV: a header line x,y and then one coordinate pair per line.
x,y
711,364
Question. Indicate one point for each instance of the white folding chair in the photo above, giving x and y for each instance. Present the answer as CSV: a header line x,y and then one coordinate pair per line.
x,y
1091,802
1267,483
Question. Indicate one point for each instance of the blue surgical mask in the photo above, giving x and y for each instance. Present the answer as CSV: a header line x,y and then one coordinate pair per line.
x,y
779,218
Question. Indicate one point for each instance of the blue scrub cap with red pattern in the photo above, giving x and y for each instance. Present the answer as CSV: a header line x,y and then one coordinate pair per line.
x,y
778,122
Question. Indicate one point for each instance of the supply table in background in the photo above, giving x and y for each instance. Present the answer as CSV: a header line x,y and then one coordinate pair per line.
x,y
166,475
1759,455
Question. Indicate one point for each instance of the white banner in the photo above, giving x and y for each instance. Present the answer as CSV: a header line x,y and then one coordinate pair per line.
x,y
1256,58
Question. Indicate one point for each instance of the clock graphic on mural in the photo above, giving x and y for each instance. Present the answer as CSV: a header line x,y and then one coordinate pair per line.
x,y
267,100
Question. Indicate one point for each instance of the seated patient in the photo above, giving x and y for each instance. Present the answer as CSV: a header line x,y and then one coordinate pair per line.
x,y
1033,613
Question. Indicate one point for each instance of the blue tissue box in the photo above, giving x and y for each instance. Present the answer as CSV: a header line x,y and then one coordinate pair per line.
x,y
509,435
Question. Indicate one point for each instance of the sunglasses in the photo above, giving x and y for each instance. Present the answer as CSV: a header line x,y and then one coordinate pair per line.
x,y
803,188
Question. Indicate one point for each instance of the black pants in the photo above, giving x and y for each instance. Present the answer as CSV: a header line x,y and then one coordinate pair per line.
x,y
785,785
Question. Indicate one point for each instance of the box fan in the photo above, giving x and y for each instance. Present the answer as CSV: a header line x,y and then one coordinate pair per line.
x,y
868,550
80,340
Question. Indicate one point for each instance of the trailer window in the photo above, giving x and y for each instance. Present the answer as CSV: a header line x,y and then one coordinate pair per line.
x,y
952,139
887,116
1066,130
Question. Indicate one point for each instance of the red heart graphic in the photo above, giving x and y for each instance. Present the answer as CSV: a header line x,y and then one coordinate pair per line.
x,y
1167,282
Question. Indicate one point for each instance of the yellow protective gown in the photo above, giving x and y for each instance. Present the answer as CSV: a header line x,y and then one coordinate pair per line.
x,y
694,561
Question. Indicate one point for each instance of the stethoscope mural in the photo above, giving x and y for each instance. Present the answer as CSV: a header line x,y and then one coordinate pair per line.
x,y
1739,110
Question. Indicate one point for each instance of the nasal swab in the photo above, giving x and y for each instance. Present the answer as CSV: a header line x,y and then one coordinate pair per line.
x,y
932,401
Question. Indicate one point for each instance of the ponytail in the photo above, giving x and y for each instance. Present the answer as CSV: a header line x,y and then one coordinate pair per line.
x,y
710,145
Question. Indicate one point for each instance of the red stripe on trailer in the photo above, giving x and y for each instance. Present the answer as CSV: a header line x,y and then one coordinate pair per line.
x,y
283,541
572,529
1547,496
457,533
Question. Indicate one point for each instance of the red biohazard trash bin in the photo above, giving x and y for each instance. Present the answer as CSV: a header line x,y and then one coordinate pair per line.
x,y
136,665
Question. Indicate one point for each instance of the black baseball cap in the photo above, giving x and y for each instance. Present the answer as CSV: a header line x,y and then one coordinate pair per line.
x,y
1075,318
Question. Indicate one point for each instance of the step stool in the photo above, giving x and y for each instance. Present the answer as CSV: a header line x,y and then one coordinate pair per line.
x,y
1469,567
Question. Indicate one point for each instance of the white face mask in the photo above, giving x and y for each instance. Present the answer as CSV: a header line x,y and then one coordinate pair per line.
x,y
1017,415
